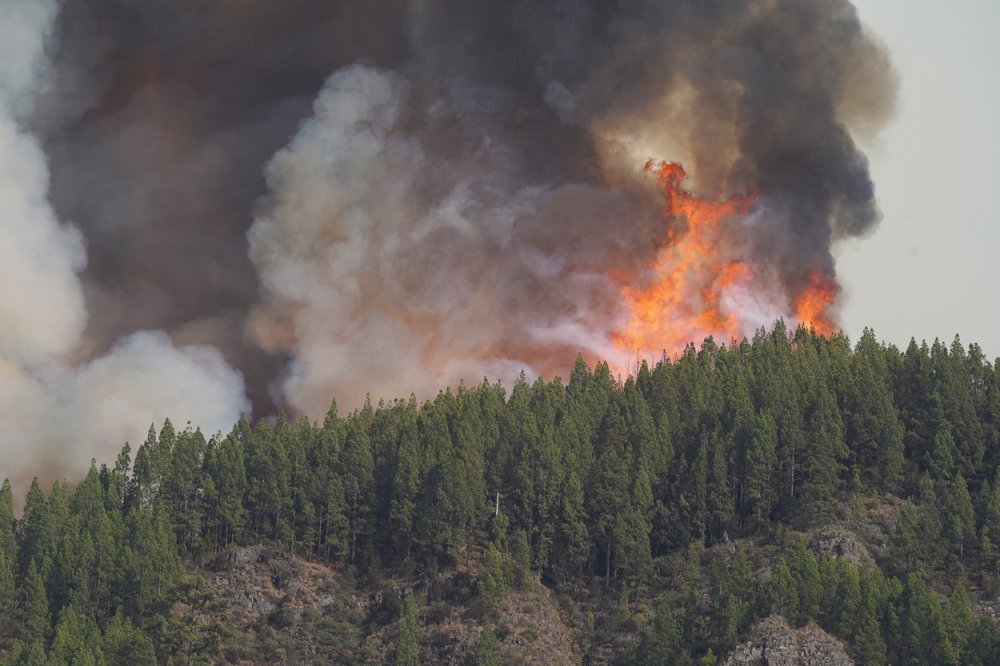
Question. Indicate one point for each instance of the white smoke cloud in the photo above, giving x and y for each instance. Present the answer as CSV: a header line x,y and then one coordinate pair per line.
x,y
391,265
41,303
54,416
54,420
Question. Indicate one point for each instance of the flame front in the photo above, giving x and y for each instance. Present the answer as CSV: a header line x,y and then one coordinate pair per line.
x,y
685,300
813,304
699,286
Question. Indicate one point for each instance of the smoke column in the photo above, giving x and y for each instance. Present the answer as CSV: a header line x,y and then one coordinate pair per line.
x,y
158,118
55,414
477,208
340,198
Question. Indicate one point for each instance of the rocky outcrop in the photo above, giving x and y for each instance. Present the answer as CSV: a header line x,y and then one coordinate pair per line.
x,y
534,631
257,582
834,541
528,625
774,643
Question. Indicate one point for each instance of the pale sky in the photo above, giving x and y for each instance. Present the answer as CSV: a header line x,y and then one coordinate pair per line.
x,y
932,269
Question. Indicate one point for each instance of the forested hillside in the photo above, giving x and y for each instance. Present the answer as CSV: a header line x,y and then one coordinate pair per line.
x,y
662,515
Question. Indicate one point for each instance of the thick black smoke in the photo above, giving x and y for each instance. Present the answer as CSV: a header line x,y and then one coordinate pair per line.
x,y
157,121
464,195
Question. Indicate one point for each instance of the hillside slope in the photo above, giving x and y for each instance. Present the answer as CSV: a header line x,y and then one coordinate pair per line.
x,y
652,520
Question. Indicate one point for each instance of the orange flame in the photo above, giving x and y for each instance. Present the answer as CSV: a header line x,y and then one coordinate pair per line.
x,y
685,300
693,286
812,305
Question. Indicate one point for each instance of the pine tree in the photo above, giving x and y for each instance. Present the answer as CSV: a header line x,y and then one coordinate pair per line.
x,y
940,460
438,529
929,545
990,531
29,655
984,644
8,546
278,496
761,467
124,645
36,624
328,491
821,460
868,641
520,555
488,648
408,635
807,583
922,626
183,485
960,526
77,641
739,580
466,474
872,424
661,644
572,541
958,622
849,600
730,618
8,565
8,599
784,596
356,469
904,538
228,470
720,492
608,495
493,579
35,530
405,484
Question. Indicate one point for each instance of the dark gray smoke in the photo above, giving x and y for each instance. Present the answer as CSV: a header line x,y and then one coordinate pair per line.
x,y
57,411
463,197
157,120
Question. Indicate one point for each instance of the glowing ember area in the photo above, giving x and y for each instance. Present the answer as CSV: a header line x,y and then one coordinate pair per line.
x,y
698,286
812,305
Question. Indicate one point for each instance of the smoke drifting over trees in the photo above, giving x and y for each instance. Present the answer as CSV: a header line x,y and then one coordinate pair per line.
x,y
328,199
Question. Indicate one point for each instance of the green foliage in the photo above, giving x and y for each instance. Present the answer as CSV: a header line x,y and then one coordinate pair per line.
x,y
36,622
960,526
520,555
488,648
408,635
761,467
661,642
77,641
8,566
783,593
124,645
592,480
493,579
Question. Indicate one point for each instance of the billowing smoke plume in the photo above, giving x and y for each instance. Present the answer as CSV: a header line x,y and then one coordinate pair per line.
x,y
463,197
400,259
476,208
158,118
55,414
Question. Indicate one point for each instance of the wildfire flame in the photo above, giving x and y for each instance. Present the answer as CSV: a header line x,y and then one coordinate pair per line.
x,y
695,285
812,305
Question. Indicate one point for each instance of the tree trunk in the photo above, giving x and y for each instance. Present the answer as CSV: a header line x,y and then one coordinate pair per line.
x,y
607,563
354,527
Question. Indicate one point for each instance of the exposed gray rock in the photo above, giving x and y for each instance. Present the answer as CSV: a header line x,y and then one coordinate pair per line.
x,y
246,555
834,541
774,643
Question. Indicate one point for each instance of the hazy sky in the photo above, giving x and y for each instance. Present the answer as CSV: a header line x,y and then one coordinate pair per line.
x,y
931,270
